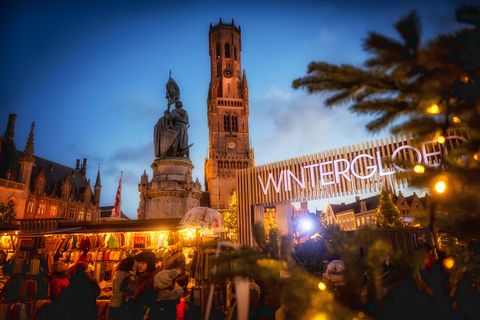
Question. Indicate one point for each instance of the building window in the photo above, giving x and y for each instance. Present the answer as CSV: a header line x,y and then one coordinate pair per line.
x,y
63,213
227,50
72,213
41,208
234,123
219,69
220,164
81,215
31,206
218,50
53,210
235,52
89,215
226,122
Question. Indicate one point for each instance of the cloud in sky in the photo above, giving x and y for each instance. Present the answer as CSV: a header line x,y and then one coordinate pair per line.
x,y
294,123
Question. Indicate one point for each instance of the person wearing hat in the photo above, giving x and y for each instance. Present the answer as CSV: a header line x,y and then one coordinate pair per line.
x,y
144,293
168,290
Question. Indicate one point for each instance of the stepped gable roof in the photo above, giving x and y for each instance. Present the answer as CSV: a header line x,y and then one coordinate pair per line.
x,y
54,175
370,202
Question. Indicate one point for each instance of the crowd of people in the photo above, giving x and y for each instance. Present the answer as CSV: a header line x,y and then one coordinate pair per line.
x,y
143,287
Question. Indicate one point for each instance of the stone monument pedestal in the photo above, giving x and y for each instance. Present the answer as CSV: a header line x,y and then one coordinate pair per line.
x,y
171,192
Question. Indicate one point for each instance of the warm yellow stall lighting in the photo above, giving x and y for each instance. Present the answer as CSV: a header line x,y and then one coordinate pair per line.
x,y
441,139
476,156
456,120
433,109
322,286
320,316
419,168
449,263
440,186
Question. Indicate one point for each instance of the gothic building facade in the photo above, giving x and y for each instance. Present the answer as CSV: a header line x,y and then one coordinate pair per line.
x,y
227,109
362,213
40,188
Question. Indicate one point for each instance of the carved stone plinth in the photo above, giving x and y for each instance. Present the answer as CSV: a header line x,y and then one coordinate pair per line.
x,y
171,192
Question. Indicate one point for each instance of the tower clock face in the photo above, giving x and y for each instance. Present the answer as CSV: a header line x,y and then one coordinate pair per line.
x,y
231,144
227,73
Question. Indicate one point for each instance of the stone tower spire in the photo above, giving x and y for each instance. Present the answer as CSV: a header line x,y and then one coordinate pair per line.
x,y
97,189
27,161
28,152
229,145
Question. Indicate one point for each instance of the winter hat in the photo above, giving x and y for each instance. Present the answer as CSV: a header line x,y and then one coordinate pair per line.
x,y
149,258
164,279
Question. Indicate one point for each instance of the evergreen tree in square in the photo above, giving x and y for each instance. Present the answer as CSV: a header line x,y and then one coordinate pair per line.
x,y
388,215
7,213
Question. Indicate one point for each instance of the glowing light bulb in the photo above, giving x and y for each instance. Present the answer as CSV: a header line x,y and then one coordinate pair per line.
x,y
322,286
440,186
456,120
476,156
306,225
433,109
441,139
449,263
419,168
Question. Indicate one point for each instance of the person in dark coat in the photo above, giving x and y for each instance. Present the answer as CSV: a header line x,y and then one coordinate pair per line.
x,y
144,292
120,307
81,295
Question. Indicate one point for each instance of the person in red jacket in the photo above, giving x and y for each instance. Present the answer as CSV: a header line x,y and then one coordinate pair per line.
x,y
59,279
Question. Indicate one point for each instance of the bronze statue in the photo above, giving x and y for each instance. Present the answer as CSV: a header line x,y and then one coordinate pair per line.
x,y
170,134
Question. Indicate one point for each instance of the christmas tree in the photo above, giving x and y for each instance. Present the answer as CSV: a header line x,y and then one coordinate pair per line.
x,y
230,219
7,213
388,215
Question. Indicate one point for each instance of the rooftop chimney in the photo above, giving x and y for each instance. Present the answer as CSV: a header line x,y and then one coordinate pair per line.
x,y
10,131
84,166
77,166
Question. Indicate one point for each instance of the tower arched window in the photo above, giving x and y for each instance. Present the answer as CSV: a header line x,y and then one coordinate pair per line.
x,y
41,208
219,69
218,50
234,123
53,210
227,50
235,52
31,206
226,122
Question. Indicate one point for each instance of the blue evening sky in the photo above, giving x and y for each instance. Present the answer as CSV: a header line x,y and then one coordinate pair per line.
x,y
92,75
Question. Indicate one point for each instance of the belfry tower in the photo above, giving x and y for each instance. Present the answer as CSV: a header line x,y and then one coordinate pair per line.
x,y
229,146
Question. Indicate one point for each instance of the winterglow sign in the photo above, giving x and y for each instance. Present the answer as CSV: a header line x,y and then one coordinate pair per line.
x,y
342,171
331,171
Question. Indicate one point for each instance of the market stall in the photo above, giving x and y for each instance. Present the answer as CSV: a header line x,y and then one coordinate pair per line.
x,y
104,245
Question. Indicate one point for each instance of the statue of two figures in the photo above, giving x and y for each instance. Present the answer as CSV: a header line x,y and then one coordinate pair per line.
x,y
170,134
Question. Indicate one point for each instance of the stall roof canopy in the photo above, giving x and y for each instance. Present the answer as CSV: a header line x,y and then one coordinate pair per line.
x,y
64,227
